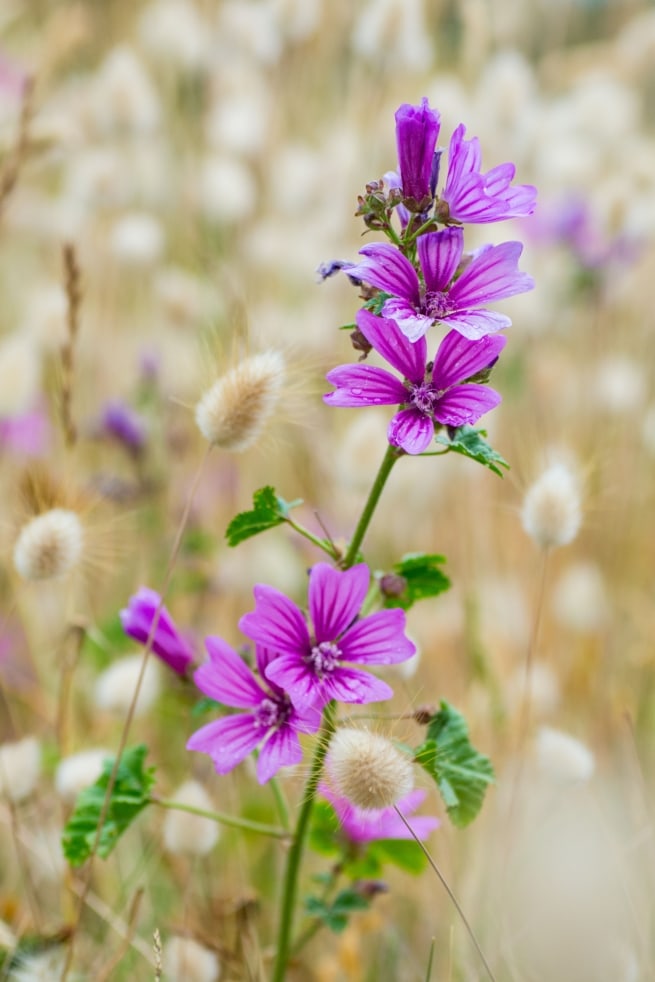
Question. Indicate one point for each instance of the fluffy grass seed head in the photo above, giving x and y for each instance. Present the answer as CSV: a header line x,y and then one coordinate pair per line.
x,y
185,958
234,411
50,545
367,769
79,771
20,768
552,507
190,834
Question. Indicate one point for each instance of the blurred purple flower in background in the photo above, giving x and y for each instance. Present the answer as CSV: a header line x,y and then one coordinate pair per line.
x,y
124,424
314,669
490,274
169,644
272,722
480,198
361,826
26,433
430,395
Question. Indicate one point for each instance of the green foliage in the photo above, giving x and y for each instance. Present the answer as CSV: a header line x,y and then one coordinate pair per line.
x,y
470,442
268,511
415,577
335,914
376,303
130,795
460,771
204,705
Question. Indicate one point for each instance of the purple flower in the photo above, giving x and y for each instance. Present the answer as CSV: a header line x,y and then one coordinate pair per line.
x,y
168,643
314,668
431,394
27,433
417,130
490,274
361,827
272,721
475,197
124,424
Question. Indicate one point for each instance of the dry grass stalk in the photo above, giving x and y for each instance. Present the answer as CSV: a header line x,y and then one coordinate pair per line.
x,y
72,277
17,156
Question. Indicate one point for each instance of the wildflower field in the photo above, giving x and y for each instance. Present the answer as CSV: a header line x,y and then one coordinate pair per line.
x,y
285,694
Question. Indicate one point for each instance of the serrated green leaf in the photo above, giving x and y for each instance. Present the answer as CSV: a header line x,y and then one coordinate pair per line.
x,y
471,443
130,795
415,577
460,771
335,915
268,511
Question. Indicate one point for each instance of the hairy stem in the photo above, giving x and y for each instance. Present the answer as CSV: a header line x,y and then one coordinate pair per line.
x,y
221,818
389,459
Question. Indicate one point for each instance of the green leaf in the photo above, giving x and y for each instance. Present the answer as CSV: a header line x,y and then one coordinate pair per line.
x,y
335,915
130,795
376,303
471,443
460,771
404,853
268,511
416,577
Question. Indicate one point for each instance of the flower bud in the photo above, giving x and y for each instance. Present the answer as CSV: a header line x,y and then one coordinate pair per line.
x,y
368,769
137,620
49,545
417,130
232,414
192,834
552,510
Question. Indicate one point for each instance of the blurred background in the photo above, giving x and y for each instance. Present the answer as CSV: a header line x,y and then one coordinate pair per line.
x,y
203,159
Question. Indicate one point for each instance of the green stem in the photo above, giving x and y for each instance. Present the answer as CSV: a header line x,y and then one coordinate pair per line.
x,y
238,823
390,458
296,851
319,543
281,802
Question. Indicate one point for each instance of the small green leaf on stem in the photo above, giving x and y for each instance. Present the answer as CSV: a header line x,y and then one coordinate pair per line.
x,y
470,442
415,577
335,914
268,511
460,771
129,797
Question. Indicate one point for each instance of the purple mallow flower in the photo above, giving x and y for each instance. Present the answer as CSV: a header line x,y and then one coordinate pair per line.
x,y
417,130
430,394
122,423
26,433
137,619
315,668
490,274
271,721
478,198
360,826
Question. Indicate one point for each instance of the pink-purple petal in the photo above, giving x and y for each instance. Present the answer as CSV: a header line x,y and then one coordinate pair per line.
x,y
389,341
440,254
476,324
412,324
464,404
276,621
385,267
491,275
297,679
282,749
350,685
335,598
226,677
378,639
459,358
228,741
364,385
411,430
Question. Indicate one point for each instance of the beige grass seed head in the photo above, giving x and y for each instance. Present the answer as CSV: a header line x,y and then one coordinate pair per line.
x,y
186,959
50,545
367,769
234,411
552,507
190,834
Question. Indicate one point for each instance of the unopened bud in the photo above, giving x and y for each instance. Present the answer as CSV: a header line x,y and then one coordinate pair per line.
x,y
232,414
367,769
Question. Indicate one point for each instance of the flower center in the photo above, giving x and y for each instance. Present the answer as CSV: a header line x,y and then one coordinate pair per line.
x,y
423,397
324,658
272,712
436,304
